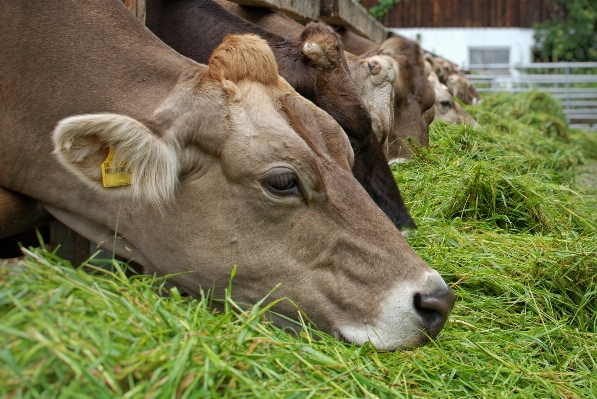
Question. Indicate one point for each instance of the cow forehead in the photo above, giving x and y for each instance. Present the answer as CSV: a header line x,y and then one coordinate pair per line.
x,y
277,114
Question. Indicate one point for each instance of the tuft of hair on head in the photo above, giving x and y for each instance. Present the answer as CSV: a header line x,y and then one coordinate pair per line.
x,y
319,28
244,57
321,33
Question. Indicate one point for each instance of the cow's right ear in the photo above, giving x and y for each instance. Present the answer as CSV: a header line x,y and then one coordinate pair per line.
x,y
142,163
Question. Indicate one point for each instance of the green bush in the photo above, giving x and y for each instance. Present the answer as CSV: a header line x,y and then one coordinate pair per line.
x,y
570,34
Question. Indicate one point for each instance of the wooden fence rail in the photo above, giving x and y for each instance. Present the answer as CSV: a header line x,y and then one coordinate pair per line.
x,y
347,13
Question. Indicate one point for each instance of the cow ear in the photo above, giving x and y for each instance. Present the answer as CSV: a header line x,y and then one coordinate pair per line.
x,y
313,51
137,161
374,66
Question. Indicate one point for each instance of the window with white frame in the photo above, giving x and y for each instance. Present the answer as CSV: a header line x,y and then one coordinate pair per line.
x,y
493,55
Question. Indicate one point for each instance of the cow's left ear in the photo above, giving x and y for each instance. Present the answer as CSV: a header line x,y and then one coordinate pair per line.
x,y
313,51
118,153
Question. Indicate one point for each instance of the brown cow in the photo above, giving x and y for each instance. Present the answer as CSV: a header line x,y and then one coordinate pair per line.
x,y
313,63
460,86
212,166
457,82
446,109
414,96
375,78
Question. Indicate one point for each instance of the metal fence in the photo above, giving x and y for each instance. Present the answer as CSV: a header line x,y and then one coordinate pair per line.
x,y
573,83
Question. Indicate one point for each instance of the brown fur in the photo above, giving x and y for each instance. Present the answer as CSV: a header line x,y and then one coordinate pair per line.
x,y
302,119
357,45
272,21
244,57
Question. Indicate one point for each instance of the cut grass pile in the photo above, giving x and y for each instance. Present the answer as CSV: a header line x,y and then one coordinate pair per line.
x,y
500,215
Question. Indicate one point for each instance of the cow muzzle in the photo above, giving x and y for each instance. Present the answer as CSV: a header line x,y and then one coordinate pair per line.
x,y
410,315
434,310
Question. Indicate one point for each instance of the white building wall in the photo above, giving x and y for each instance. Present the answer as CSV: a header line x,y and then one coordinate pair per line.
x,y
454,43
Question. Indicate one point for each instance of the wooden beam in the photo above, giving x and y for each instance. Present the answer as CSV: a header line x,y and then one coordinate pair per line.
x,y
19,213
297,10
353,16
137,7
73,246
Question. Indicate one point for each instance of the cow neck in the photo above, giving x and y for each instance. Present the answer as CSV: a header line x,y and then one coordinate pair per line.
x,y
113,63
412,67
56,66
356,44
195,28
295,68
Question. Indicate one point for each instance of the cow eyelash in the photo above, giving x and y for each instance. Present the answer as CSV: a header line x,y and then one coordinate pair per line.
x,y
282,184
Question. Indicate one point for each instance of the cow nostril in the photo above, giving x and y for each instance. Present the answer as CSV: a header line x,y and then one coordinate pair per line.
x,y
434,310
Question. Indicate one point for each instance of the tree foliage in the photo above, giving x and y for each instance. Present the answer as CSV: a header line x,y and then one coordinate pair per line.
x,y
570,35
382,8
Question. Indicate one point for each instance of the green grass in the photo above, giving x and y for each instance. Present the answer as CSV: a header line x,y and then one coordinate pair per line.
x,y
501,215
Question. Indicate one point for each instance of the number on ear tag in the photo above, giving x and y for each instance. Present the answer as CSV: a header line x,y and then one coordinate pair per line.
x,y
115,175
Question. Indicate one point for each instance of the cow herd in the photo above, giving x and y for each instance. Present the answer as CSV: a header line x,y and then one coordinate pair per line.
x,y
222,135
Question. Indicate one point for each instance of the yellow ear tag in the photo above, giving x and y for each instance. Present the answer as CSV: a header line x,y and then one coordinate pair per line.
x,y
115,175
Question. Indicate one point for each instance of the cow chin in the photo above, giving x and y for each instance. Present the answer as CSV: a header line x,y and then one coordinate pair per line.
x,y
404,320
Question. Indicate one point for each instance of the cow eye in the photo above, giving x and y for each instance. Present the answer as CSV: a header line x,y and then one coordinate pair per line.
x,y
445,103
284,184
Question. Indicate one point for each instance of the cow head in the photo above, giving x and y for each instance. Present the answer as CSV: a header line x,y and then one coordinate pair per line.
x,y
243,171
334,90
461,87
374,78
446,109
413,97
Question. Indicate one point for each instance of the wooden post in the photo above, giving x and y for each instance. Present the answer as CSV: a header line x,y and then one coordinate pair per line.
x,y
353,16
19,213
73,246
137,7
